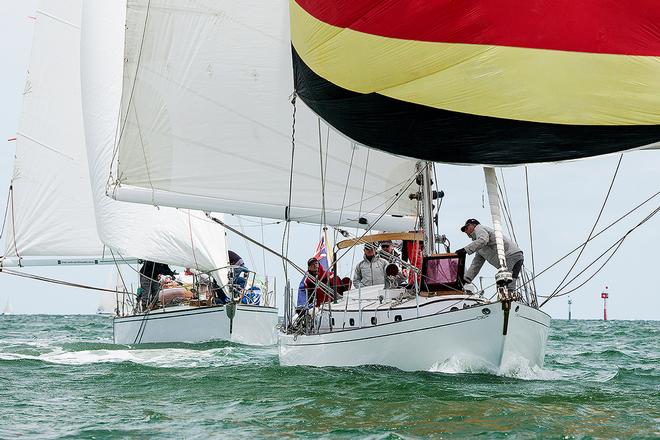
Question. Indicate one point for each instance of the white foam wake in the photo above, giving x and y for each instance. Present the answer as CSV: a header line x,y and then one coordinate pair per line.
x,y
514,367
161,358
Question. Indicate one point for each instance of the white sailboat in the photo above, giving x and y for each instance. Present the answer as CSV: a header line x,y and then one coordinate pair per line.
x,y
107,304
211,84
58,215
7,310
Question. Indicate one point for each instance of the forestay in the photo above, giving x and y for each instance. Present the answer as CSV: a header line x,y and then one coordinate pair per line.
x,y
207,123
178,237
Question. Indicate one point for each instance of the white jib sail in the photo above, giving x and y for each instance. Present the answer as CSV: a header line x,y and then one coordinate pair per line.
x,y
178,237
54,208
207,122
53,212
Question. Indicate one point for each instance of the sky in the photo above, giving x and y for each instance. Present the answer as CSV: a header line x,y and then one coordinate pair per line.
x,y
565,201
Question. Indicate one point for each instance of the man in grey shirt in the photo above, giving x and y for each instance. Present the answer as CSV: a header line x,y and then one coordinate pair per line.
x,y
485,249
371,270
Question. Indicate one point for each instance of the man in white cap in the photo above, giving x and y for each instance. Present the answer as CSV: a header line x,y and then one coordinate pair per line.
x,y
485,249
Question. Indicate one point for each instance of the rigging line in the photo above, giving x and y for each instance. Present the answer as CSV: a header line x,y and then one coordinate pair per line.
x,y
364,180
323,217
121,276
137,68
348,177
327,149
602,208
437,211
617,244
192,242
385,191
592,238
13,222
504,200
4,218
374,223
263,252
146,163
248,220
287,225
529,222
115,149
53,280
247,246
261,245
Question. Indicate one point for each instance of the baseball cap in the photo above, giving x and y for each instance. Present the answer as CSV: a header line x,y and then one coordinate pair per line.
x,y
470,221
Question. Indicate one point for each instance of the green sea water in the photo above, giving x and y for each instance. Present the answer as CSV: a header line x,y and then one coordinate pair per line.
x,y
61,377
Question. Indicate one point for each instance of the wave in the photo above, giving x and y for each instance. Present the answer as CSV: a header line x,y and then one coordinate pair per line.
x,y
651,373
609,353
158,358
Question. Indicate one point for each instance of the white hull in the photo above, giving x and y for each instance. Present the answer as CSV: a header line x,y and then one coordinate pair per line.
x,y
253,325
424,343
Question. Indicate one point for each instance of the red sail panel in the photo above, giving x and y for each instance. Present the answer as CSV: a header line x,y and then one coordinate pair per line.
x,y
597,26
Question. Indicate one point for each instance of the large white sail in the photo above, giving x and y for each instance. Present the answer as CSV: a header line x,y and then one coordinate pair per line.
x,y
178,237
54,211
207,122
51,211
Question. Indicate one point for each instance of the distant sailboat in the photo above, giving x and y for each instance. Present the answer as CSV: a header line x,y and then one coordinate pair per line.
x,y
7,310
107,304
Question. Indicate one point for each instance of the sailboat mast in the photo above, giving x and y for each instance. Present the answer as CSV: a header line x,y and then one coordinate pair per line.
x,y
425,169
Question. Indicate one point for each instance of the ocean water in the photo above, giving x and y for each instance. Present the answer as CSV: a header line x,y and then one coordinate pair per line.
x,y
61,377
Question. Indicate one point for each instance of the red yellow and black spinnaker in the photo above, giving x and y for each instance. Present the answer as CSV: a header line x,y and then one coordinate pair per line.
x,y
478,81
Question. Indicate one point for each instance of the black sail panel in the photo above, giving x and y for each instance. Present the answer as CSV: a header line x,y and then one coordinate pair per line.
x,y
415,130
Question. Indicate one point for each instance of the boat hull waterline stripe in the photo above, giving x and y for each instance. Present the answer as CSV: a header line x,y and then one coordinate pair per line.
x,y
177,313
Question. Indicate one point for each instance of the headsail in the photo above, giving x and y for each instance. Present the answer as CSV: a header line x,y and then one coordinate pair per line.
x,y
51,211
207,123
490,83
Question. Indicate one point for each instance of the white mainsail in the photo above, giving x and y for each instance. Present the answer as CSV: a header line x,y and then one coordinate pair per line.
x,y
207,122
56,213
51,212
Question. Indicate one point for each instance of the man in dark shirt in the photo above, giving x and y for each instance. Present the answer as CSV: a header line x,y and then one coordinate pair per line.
x,y
149,273
238,268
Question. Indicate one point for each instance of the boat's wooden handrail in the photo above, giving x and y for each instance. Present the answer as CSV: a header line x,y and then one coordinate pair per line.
x,y
373,238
